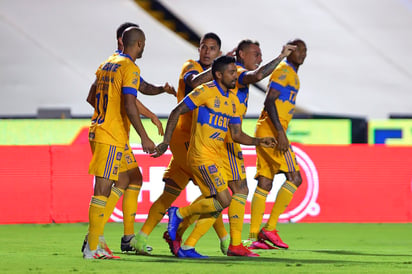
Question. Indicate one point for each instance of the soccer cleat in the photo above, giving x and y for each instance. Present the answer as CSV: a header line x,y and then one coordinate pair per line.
x,y
99,253
190,253
174,222
103,245
261,245
224,245
271,236
139,243
126,247
84,242
240,250
174,246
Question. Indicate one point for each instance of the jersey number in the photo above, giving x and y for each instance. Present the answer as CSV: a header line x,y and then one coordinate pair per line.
x,y
100,113
292,97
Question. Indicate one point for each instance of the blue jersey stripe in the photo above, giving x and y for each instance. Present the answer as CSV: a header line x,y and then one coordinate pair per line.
x,y
232,161
189,103
129,90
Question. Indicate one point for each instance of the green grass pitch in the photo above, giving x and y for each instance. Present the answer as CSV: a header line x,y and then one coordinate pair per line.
x,y
314,248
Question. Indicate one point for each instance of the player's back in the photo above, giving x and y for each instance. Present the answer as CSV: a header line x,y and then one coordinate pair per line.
x,y
111,124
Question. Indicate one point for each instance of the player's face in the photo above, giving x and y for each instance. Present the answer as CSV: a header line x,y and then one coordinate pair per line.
x,y
298,56
229,76
208,51
252,57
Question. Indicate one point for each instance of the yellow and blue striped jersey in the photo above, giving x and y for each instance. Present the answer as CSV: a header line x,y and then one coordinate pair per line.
x,y
285,80
190,67
214,109
117,76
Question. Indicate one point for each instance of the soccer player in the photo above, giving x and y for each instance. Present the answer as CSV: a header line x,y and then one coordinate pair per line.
x,y
278,110
248,59
116,89
130,180
215,110
178,173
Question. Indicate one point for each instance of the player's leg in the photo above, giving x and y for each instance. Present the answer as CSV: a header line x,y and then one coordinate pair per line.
x,y
236,215
158,209
218,226
284,196
204,223
105,165
129,207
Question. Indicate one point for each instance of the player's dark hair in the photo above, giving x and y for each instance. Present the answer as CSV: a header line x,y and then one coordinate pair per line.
x,y
220,64
295,42
124,26
244,44
131,35
211,35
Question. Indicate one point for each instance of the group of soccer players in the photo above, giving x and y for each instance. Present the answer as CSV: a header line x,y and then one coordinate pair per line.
x,y
204,134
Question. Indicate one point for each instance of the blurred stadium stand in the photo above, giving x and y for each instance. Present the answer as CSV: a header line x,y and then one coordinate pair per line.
x,y
358,65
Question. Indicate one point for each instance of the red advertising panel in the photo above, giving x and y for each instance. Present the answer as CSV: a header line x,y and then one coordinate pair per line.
x,y
349,183
25,183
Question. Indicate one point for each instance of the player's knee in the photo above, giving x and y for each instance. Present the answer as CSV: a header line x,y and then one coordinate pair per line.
x,y
297,180
224,198
239,187
169,183
135,177
265,183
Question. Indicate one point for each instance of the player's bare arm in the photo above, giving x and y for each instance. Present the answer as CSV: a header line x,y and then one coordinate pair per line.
x,y
198,79
270,107
91,97
181,108
148,114
242,138
134,117
149,89
265,70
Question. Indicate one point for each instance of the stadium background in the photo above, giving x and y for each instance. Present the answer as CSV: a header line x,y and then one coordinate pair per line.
x,y
356,80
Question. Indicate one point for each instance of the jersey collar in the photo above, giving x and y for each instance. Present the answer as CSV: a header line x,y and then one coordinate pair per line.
x,y
290,65
226,94
126,55
203,67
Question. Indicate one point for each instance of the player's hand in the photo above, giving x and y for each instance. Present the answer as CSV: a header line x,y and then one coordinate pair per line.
x,y
232,53
148,145
267,142
287,50
160,150
169,89
283,142
158,124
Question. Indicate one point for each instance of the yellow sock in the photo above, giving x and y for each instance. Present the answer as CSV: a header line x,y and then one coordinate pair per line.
x,y
96,225
188,221
158,209
184,225
203,206
114,196
219,227
129,208
258,209
236,214
283,199
204,223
